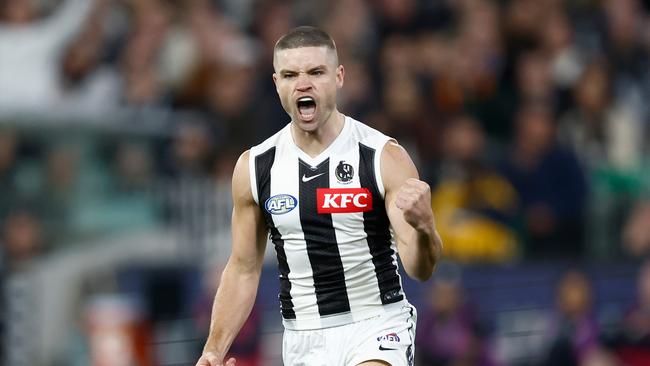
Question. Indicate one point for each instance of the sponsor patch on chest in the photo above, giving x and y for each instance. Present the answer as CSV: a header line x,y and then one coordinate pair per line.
x,y
280,204
343,200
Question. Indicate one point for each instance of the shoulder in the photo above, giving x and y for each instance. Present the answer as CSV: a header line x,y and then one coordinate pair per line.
x,y
241,185
396,165
368,135
394,154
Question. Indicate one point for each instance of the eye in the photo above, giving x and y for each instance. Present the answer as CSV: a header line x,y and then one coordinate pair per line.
x,y
318,72
288,76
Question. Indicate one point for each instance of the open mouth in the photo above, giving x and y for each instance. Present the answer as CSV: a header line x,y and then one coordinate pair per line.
x,y
306,108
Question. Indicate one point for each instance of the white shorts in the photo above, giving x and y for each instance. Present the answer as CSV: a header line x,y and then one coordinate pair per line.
x,y
389,337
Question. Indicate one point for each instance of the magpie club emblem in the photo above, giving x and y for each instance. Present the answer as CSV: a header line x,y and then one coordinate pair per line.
x,y
344,172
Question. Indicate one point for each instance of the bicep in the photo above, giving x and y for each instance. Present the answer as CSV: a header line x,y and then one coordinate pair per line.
x,y
248,235
247,225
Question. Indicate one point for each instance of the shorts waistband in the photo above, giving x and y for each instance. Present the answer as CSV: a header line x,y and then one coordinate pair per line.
x,y
342,318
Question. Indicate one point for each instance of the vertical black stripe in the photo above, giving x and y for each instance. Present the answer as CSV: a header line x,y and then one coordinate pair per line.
x,y
322,248
377,227
263,164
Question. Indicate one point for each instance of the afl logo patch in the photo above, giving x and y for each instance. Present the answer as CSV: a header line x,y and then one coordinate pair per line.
x,y
344,172
280,204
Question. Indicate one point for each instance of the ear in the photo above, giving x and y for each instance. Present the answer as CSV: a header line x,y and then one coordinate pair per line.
x,y
275,80
340,76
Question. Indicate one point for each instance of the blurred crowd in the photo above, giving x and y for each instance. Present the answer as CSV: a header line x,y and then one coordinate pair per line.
x,y
573,326
452,332
527,117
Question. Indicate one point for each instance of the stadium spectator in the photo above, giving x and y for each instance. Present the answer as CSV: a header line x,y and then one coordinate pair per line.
x,y
133,167
350,22
481,50
522,26
9,142
247,346
557,41
535,79
622,42
550,184
229,102
622,38
588,126
474,204
404,111
602,357
90,80
359,95
449,332
31,49
573,330
271,19
142,82
397,17
22,239
60,192
636,231
634,349
129,201
604,131
190,153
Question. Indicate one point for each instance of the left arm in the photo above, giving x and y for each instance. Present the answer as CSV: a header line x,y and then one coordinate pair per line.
x,y
408,204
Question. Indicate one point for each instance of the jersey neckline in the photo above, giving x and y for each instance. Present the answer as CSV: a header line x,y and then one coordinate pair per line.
x,y
318,159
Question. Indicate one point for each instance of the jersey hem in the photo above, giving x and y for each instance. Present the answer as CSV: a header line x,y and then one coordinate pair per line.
x,y
341,319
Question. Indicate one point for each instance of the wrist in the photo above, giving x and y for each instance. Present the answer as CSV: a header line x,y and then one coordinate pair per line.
x,y
214,349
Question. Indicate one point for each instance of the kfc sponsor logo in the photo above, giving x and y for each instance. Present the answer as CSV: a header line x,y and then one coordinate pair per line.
x,y
343,200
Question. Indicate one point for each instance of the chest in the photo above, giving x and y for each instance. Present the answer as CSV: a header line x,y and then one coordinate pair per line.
x,y
335,193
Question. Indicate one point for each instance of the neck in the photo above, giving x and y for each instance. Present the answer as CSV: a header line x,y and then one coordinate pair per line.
x,y
315,142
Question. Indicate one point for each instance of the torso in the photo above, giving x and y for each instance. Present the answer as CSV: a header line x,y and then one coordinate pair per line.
x,y
326,215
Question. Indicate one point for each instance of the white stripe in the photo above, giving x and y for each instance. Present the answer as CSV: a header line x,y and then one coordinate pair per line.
x,y
253,175
359,271
377,161
285,180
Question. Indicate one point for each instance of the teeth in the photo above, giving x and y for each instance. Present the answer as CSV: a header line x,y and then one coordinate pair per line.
x,y
305,99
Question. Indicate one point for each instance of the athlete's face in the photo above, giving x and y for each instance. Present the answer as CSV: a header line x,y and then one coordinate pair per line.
x,y
307,80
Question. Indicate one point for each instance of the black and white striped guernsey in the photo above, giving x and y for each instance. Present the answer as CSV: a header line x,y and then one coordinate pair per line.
x,y
327,220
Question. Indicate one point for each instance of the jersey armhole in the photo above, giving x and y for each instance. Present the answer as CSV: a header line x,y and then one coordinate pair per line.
x,y
378,177
252,176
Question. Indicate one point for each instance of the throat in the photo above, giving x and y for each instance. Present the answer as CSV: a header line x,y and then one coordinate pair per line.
x,y
315,142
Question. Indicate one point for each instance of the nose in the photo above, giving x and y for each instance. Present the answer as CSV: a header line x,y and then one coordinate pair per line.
x,y
303,83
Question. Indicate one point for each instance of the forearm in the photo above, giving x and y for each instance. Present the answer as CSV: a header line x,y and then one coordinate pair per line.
x,y
420,252
232,306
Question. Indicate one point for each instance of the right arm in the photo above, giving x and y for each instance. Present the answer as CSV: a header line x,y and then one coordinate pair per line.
x,y
69,18
240,278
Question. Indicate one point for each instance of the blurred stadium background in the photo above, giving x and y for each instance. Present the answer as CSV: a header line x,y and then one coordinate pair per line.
x,y
121,120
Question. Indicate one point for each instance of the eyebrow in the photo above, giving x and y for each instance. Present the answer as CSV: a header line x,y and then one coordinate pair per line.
x,y
315,68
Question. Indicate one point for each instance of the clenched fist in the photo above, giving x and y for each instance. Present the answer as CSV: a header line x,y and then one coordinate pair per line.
x,y
210,359
414,199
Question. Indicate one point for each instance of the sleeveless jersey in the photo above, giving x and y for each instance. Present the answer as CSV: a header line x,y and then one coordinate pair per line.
x,y
327,219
